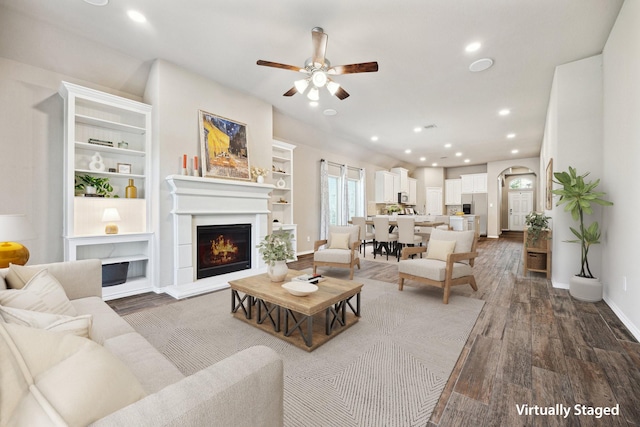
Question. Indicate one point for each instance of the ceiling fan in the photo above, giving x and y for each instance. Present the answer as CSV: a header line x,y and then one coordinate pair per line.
x,y
318,70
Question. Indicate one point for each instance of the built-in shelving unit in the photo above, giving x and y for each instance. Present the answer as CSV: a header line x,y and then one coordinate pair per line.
x,y
282,197
95,115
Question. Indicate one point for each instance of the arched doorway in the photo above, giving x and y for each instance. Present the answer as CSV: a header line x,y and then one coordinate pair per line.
x,y
517,195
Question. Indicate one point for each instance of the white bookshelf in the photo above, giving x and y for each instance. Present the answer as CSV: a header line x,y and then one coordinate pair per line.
x,y
282,197
91,114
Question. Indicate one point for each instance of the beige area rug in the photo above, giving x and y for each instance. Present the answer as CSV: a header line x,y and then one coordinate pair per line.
x,y
388,369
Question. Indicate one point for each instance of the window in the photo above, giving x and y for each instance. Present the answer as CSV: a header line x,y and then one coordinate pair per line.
x,y
355,196
521,184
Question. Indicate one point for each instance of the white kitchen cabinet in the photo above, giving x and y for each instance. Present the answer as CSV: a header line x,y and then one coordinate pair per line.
x,y
387,187
404,179
474,183
413,191
452,191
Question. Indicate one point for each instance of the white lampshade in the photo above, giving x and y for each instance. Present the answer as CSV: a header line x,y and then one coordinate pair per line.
x,y
301,85
333,87
313,94
14,228
110,215
319,78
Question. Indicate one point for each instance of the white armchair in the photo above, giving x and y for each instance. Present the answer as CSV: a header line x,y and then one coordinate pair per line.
x,y
340,249
449,261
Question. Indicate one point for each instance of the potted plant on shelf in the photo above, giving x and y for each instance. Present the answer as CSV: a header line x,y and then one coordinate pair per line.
x,y
94,185
276,249
537,230
578,197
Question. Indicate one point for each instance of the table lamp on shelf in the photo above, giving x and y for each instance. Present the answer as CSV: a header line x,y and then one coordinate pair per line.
x,y
110,216
13,228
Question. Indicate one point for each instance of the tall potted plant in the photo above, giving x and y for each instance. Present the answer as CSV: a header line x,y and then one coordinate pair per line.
x,y
578,197
276,249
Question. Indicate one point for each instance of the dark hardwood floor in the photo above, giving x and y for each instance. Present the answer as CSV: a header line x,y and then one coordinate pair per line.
x,y
532,345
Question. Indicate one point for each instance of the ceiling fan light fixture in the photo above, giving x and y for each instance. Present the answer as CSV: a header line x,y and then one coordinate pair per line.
x,y
314,94
301,85
333,87
319,78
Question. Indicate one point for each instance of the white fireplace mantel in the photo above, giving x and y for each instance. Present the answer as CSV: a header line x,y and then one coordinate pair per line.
x,y
211,201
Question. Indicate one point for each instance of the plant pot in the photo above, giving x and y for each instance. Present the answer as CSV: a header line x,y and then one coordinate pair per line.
x,y
585,289
89,189
277,272
260,179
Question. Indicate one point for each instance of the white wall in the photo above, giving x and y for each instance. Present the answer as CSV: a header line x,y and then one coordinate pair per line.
x,y
176,95
573,137
621,154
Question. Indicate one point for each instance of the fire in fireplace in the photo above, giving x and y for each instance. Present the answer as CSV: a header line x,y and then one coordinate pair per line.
x,y
223,249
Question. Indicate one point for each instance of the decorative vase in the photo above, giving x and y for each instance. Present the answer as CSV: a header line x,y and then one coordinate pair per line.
x,y
96,164
260,179
585,289
131,192
278,271
281,183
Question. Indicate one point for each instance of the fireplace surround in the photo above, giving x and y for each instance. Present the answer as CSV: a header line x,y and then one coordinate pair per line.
x,y
220,202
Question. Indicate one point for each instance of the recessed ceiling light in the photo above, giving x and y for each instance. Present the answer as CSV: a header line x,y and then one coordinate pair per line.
x,y
447,145
514,151
313,103
97,2
472,47
417,129
481,65
422,159
504,112
434,164
329,112
136,16
374,138
511,135
458,154
407,151
467,160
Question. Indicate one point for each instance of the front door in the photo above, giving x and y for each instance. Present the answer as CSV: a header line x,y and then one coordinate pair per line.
x,y
520,205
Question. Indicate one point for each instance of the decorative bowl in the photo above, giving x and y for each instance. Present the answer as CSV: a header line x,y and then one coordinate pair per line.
x,y
300,289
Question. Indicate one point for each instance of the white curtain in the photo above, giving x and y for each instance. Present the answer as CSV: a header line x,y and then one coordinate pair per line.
x,y
363,191
344,180
324,199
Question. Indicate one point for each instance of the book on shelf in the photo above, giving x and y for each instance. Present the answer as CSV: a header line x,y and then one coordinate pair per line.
x,y
309,278
100,142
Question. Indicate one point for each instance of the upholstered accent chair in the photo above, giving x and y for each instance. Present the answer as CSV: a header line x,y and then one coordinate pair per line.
x,y
365,235
340,249
407,234
449,261
383,237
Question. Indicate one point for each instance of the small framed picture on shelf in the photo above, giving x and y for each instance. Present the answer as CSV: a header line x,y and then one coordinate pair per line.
x,y
124,168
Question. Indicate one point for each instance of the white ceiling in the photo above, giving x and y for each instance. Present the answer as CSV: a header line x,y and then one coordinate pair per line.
x,y
419,45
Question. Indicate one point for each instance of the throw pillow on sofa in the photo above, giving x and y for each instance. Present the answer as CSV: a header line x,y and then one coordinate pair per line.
x,y
18,276
54,379
80,325
41,293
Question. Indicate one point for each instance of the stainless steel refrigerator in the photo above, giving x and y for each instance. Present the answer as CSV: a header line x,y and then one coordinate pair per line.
x,y
479,206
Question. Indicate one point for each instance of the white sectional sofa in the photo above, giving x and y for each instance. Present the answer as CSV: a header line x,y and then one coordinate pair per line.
x,y
244,389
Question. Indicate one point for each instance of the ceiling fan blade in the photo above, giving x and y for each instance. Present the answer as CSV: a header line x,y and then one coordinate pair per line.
x,y
279,65
290,92
319,39
364,67
341,93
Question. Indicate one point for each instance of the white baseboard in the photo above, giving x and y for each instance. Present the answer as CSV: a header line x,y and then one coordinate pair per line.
x,y
635,331
304,253
559,285
493,237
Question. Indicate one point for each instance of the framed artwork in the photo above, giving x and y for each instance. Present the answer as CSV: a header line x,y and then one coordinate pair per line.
x,y
409,211
549,204
223,147
124,168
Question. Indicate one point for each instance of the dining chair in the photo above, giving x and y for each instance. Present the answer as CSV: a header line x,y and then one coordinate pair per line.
x,y
383,237
365,235
406,234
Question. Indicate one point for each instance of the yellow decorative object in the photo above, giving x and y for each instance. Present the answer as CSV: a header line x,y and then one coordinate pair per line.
x,y
13,253
131,192
12,228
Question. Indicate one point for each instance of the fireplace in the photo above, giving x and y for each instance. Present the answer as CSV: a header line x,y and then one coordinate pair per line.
x,y
223,249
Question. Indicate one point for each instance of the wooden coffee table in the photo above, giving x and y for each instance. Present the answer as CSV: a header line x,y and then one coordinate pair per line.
x,y
316,317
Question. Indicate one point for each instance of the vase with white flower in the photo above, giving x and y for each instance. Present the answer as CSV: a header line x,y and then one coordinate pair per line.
x,y
276,249
258,174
